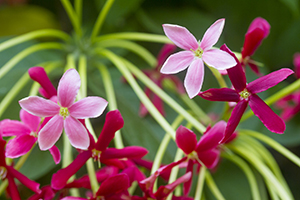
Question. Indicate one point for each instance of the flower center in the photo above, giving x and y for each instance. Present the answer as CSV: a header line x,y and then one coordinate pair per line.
x,y
34,134
96,154
198,53
245,94
64,112
193,155
3,172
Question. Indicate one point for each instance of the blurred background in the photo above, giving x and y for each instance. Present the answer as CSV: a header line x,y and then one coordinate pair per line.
x,y
277,50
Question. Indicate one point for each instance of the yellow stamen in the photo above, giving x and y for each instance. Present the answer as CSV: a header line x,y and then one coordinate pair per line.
x,y
64,112
245,94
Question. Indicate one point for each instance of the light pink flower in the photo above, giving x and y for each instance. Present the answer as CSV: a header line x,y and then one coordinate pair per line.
x,y
65,113
195,55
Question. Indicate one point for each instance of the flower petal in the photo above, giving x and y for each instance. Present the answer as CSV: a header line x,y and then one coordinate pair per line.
x,y
186,139
39,75
129,152
209,158
89,107
252,41
212,138
220,94
164,54
177,62
51,132
260,23
55,154
68,87
218,59
194,78
212,34
113,184
269,80
60,178
76,133
19,146
234,119
180,36
32,121
113,123
39,107
236,74
13,128
296,63
271,120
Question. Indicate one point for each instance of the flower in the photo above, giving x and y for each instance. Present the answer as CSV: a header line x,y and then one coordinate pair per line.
x,y
245,94
258,30
66,113
26,133
195,55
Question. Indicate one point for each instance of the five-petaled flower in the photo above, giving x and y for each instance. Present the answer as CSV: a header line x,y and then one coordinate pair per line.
x,y
245,94
195,55
65,113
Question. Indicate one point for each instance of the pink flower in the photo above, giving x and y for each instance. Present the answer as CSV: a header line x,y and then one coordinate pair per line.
x,y
258,30
195,55
66,113
26,133
245,94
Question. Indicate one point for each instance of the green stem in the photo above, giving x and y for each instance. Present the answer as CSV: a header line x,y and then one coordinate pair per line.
x,y
111,97
78,10
263,169
26,52
213,187
92,175
164,144
82,68
166,98
219,77
275,97
131,46
34,35
139,92
146,37
101,17
73,16
248,172
196,109
200,183
275,145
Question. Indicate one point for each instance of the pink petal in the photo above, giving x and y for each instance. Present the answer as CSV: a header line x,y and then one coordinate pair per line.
x,y
296,63
89,107
218,59
212,138
39,75
260,23
19,146
39,107
269,80
255,69
32,121
180,36
220,94
187,185
13,128
212,34
73,198
194,78
236,74
177,62
271,120
60,178
234,119
165,53
2,152
68,87
51,132
252,41
186,139
12,188
113,123
113,184
129,152
209,158
76,133
55,154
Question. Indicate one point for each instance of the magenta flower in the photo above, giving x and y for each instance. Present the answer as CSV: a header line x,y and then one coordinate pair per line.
x,y
245,94
258,30
66,113
26,133
99,151
195,55
10,173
